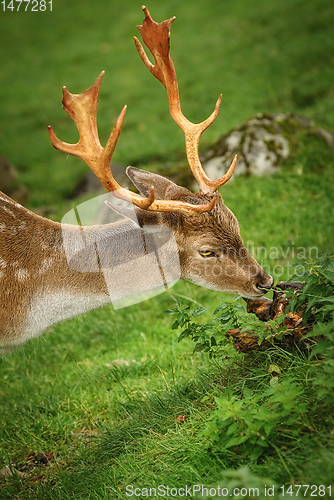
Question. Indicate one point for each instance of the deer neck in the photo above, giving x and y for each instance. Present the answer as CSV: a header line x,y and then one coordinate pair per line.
x,y
51,272
38,284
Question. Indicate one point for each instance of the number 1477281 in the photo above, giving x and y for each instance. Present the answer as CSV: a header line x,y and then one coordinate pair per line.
x,y
27,5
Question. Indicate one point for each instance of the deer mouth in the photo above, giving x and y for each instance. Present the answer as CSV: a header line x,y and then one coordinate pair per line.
x,y
260,292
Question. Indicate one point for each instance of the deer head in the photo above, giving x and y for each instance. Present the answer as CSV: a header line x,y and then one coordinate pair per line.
x,y
207,233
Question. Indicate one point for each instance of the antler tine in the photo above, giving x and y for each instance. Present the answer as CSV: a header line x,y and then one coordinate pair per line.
x,y
156,37
82,109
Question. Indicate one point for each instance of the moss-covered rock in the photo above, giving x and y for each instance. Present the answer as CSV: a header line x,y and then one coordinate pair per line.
x,y
262,143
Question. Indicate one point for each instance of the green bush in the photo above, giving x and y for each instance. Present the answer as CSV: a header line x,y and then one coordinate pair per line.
x,y
255,419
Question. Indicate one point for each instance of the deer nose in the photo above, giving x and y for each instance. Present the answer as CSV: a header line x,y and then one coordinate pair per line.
x,y
264,282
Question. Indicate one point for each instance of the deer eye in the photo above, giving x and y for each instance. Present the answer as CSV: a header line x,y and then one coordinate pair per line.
x,y
207,253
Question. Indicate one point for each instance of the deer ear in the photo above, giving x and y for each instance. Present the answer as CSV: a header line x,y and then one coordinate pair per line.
x,y
145,180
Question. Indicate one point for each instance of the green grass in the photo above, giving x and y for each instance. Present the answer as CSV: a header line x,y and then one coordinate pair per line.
x,y
102,392
263,56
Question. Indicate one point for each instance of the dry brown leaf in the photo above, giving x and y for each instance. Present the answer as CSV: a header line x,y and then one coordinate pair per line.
x,y
181,418
11,471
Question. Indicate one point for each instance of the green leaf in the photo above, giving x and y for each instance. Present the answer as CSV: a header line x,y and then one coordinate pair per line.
x,y
171,311
256,453
221,307
199,311
320,348
274,369
184,334
235,441
199,347
232,428
268,427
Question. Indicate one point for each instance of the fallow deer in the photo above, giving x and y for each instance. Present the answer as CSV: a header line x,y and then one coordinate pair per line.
x,y
41,285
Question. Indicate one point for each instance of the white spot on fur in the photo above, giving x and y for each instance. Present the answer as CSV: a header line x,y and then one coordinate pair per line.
x,y
11,202
22,274
13,230
2,226
46,264
3,263
6,200
15,264
6,209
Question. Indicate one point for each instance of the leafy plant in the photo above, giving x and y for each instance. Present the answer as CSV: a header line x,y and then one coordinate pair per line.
x,y
318,289
210,337
253,420
318,293
250,424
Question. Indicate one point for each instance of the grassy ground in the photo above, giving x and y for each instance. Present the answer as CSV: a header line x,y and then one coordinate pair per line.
x,y
100,395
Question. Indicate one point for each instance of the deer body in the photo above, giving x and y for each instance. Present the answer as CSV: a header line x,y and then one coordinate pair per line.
x,y
40,285
40,288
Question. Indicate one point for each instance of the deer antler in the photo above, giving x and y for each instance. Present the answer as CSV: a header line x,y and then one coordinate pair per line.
x,y
156,37
82,109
